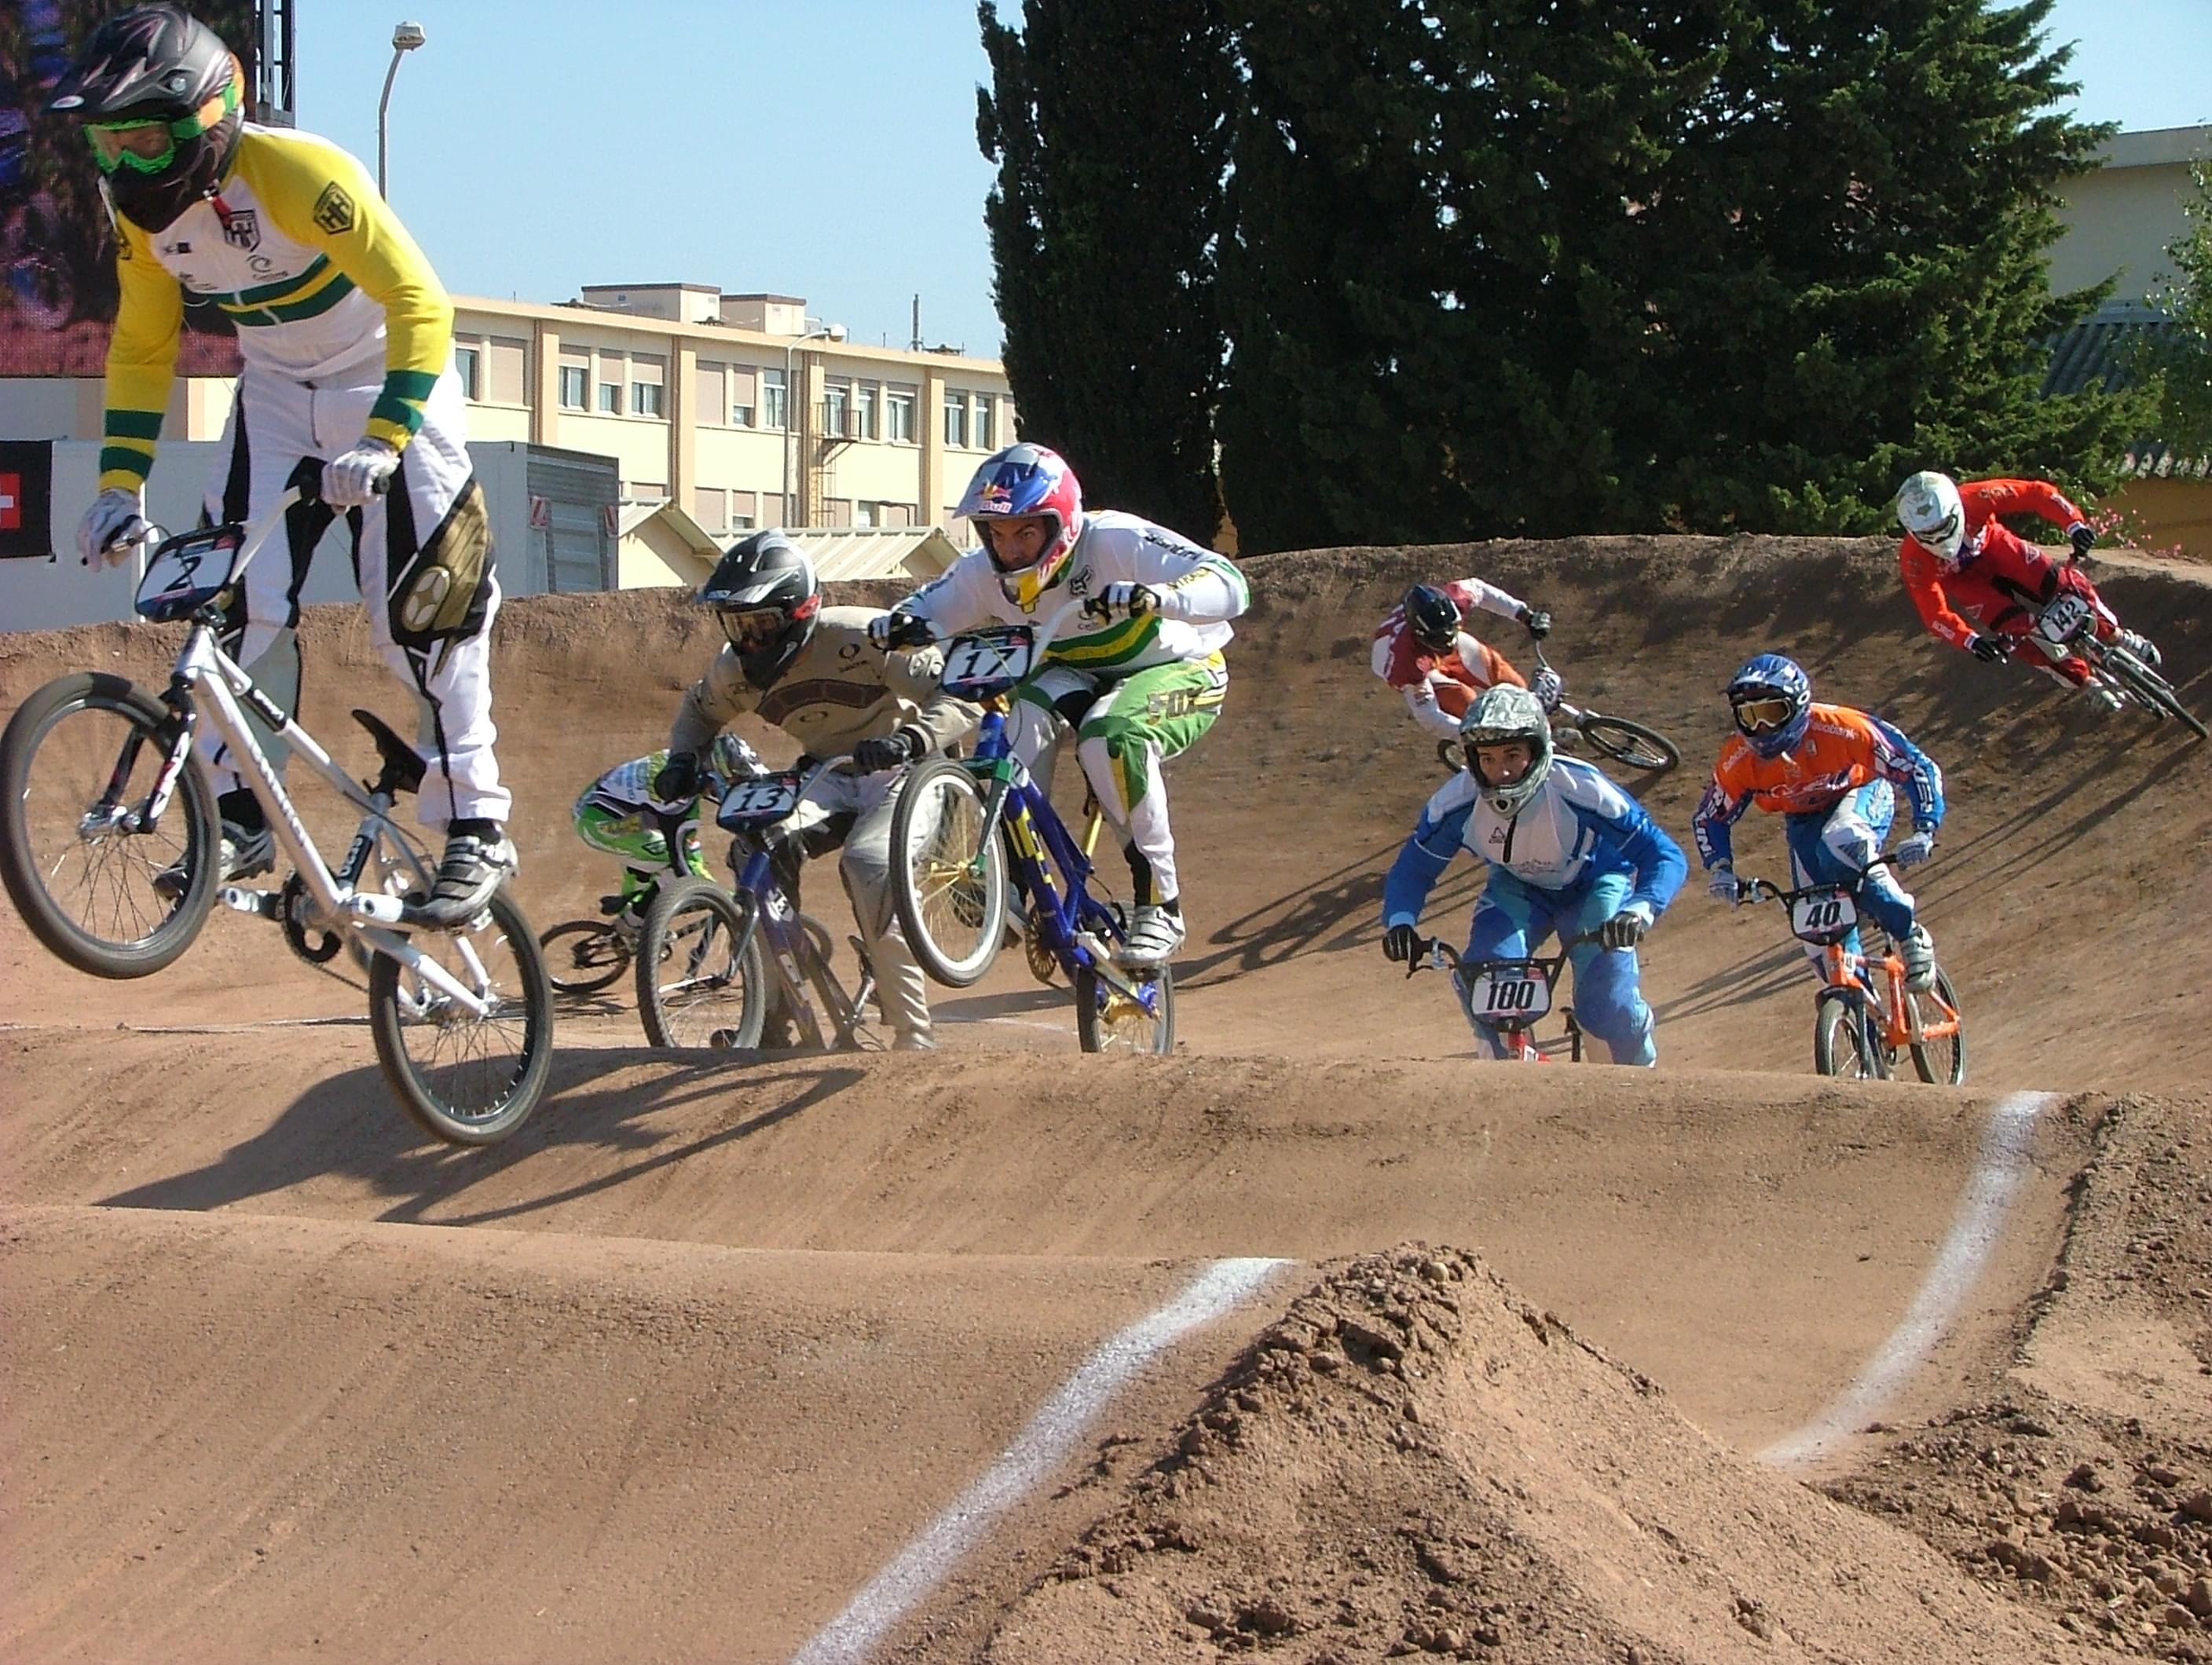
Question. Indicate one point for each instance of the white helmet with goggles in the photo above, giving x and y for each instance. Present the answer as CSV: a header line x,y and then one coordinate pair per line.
x,y
1933,516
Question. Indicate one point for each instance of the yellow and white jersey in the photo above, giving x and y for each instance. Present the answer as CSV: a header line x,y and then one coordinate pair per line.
x,y
302,253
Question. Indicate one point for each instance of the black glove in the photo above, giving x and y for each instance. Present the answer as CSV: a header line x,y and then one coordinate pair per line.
x,y
1624,929
2081,538
1400,944
1986,648
1536,621
680,777
898,628
888,751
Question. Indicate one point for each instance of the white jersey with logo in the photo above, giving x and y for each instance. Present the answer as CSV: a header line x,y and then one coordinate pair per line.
x,y
1200,593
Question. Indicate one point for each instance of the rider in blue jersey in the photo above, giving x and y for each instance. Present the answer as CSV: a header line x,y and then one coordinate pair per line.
x,y
1568,851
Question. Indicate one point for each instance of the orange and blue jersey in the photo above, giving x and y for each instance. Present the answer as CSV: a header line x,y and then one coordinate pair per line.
x,y
1843,749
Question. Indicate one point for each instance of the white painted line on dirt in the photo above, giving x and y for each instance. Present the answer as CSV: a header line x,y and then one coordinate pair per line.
x,y
1040,1449
1999,1172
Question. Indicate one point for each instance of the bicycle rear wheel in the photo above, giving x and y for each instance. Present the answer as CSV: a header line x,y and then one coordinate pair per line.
x,y
700,979
1629,744
948,875
1106,1020
76,755
465,1079
1940,1059
583,955
1841,1045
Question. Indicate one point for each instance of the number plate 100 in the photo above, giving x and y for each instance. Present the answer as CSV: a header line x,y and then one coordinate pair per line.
x,y
1523,996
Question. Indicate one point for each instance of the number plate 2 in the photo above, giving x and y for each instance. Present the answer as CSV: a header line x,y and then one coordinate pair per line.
x,y
1510,993
766,798
186,573
1823,915
981,663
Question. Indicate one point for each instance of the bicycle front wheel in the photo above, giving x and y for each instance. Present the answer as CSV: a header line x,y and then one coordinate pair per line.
x,y
1841,1045
1629,744
2150,686
1940,1059
948,875
702,980
583,955
78,755
1108,1020
467,1079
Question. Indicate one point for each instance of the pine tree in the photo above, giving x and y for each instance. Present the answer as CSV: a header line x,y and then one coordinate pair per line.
x,y
1108,125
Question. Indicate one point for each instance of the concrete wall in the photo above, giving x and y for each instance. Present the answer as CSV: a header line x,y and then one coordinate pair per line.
x,y
40,595
2120,219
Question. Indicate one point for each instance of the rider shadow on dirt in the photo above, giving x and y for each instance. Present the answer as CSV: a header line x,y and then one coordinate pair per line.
x,y
349,1125
1339,909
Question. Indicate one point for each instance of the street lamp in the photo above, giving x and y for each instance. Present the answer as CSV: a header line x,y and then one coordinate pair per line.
x,y
820,333
405,38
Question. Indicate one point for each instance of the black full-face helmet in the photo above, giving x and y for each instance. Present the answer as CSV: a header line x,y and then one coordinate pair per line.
x,y
159,95
1433,618
765,592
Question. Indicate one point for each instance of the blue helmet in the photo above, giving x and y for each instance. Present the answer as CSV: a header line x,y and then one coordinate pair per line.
x,y
1772,699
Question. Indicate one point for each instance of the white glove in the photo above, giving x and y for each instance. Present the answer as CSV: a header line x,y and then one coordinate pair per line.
x,y
351,481
1721,885
1548,688
1124,600
112,527
1911,852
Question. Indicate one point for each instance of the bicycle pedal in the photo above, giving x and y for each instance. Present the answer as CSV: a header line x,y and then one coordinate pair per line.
x,y
262,904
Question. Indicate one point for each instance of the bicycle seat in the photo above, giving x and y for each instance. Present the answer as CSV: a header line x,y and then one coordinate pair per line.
x,y
402,768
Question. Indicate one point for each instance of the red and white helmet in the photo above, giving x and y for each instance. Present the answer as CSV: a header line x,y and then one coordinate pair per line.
x,y
1020,481
1929,509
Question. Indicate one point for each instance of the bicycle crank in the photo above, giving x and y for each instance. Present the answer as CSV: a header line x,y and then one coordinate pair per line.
x,y
1042,963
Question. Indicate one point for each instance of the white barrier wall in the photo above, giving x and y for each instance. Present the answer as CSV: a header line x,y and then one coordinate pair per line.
x,y
49,594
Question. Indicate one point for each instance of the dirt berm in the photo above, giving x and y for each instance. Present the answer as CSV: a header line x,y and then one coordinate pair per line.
x,y
677,1372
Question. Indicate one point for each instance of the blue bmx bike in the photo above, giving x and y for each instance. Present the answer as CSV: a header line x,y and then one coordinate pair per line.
x,y
968,829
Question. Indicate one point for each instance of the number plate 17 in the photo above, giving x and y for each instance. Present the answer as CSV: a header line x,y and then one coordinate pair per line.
x,y
985,662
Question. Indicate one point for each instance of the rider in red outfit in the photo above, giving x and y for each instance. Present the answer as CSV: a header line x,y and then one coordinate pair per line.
x,y
1969,574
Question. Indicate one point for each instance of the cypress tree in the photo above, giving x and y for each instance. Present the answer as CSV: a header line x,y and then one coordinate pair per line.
x,y
1108,125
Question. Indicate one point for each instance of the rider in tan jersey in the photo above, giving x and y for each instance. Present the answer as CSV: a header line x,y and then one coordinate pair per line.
x,y
810,670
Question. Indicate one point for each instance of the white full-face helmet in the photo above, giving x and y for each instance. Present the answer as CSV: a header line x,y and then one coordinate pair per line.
x,y
1501,714
1929,509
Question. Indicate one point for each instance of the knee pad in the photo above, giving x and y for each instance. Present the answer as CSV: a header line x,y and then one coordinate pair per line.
x,y
442,587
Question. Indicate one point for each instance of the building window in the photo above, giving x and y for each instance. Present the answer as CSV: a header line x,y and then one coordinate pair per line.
x,y
745,506
645,398
466,361
986,437
864,514
775,410
610,398
709,397
710,507
956,419
899,416
744,395
506,367
866,396
575,393
835,401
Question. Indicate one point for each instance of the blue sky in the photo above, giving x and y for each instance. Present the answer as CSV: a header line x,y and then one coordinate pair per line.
x,y
825,150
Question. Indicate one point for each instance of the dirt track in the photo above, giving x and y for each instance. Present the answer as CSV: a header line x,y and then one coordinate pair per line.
x,y
674,1373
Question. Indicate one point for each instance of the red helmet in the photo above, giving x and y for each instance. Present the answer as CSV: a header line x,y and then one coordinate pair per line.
x,y
1020,481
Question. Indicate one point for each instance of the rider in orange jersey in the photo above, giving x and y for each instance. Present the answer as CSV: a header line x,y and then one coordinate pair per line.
x,y
1829,771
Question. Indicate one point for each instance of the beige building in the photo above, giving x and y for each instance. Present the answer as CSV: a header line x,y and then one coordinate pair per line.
x,y
2119,222
729,407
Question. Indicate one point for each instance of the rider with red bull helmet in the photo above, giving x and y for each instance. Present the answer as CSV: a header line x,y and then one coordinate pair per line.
x,y
1830,771
1139,679
1969,574
1421,651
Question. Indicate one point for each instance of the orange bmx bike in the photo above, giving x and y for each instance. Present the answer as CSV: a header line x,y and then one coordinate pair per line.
x,y
1864,1017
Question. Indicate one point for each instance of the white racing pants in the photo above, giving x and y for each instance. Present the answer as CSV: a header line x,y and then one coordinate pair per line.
x,y
865,866
422,563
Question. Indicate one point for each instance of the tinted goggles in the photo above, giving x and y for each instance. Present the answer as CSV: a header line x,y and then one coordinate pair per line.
x,y
1763,712
752,629
148,147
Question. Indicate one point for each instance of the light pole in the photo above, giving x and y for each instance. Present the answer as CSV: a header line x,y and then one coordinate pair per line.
x,y
820,333
405,38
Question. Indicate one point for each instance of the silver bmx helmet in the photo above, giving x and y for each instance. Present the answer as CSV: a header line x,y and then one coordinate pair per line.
x,y
1503,715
